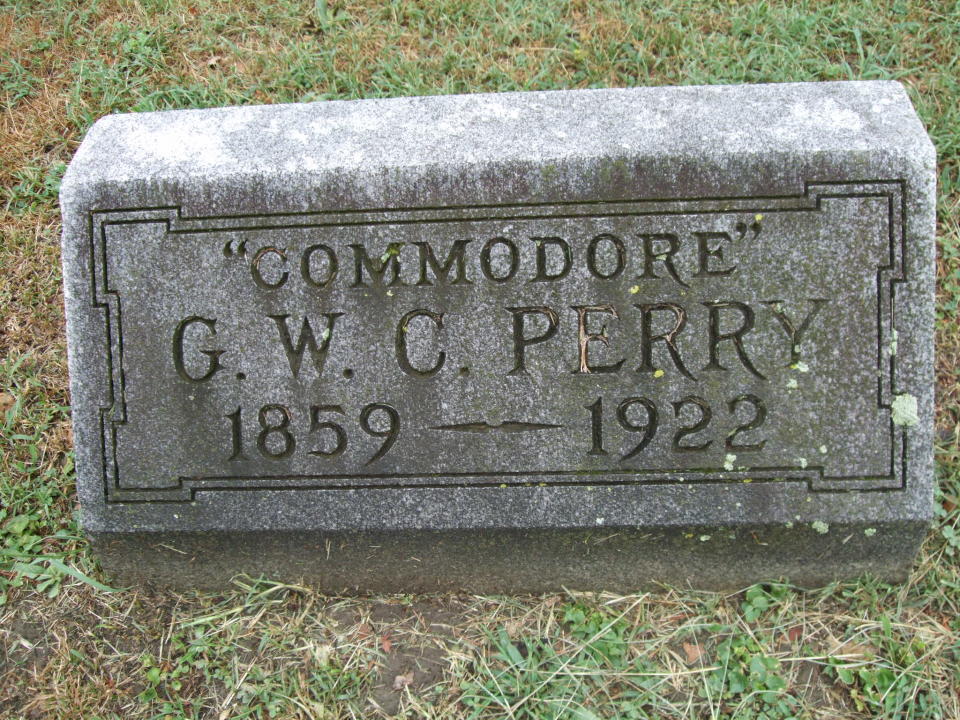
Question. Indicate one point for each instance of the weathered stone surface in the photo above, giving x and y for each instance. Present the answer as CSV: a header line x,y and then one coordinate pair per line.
x,y
592,339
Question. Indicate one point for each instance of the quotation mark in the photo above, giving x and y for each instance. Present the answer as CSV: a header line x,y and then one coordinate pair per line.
x,y
240,251
742,227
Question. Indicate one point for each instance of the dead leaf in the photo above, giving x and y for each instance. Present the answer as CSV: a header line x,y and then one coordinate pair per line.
x,y
401,681
386,643
693,652
6,402
795,633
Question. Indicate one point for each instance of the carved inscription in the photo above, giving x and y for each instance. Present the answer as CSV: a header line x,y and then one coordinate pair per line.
x,y
685,342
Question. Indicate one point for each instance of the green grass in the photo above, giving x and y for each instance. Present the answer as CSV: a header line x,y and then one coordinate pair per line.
x,y
69,648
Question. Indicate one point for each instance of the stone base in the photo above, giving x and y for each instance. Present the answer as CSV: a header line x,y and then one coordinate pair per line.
x,y
516,562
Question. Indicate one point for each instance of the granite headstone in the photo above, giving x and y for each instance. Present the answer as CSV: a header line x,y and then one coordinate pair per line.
x,y
518,342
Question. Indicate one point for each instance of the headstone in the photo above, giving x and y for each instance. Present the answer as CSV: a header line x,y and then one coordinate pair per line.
x,y
587,339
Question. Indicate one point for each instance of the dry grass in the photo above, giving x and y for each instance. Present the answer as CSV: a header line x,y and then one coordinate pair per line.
x,y
426,655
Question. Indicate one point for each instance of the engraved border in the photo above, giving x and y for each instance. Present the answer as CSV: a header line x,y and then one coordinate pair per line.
x,y
113,414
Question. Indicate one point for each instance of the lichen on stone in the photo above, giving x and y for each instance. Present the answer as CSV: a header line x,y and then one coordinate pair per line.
x,y
903,410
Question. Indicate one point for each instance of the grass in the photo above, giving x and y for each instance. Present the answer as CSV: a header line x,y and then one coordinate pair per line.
x,y
71,648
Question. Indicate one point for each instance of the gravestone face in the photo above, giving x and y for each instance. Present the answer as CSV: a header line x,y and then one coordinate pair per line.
x,y
592,339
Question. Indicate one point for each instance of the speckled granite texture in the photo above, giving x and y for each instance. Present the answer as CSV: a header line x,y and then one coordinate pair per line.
x,y
592,339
